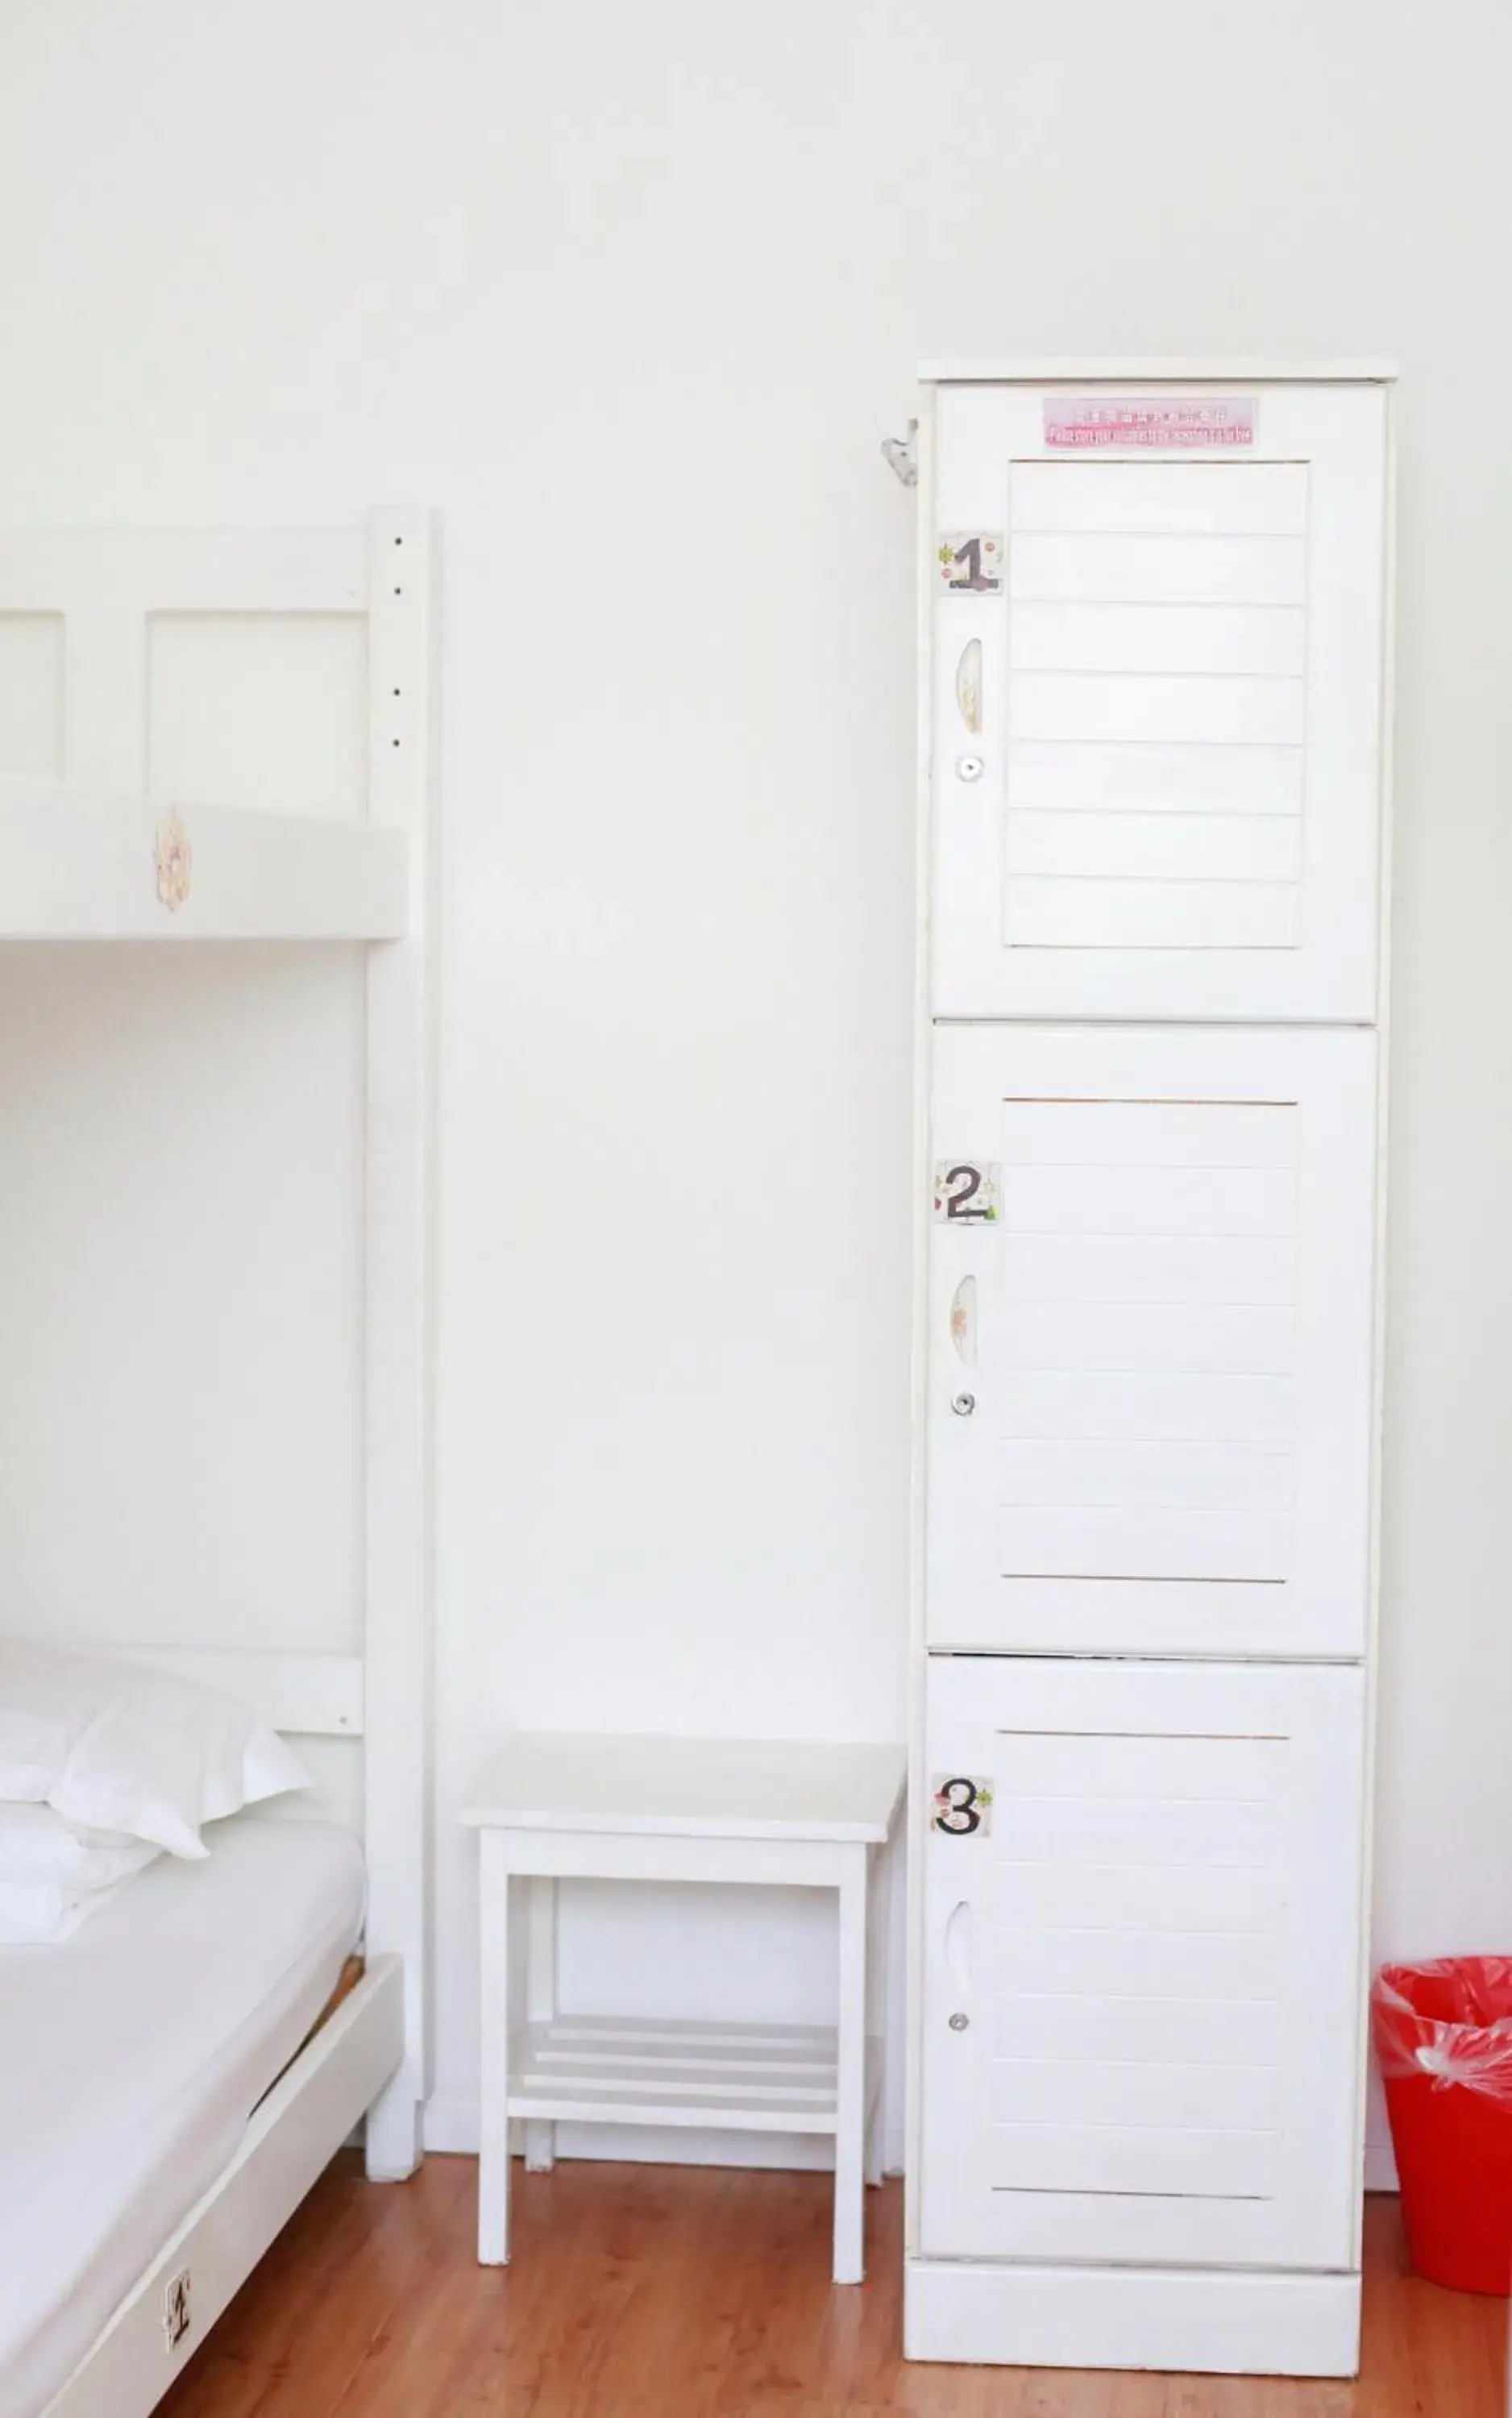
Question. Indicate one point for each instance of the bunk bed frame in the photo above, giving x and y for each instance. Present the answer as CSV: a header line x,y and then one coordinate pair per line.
x,y
94,858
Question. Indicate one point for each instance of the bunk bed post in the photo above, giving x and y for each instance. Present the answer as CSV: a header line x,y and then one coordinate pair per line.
x,y
398,1245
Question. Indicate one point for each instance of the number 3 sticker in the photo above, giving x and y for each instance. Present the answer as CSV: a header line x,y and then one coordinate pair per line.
x,y
963,1807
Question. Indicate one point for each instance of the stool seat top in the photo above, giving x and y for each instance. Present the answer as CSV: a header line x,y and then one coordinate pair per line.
x,y
683,1787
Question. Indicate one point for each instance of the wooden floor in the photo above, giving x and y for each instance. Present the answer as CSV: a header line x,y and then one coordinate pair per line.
x,y
681,2291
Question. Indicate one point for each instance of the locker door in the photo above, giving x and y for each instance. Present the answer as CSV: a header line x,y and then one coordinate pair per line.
x,y
1156,740
1142,1962
1151,1363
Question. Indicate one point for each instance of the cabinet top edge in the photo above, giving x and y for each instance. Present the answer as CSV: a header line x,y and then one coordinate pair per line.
x,y
1077,370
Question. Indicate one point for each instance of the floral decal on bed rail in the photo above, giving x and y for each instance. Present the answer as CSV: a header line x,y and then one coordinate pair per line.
x,y
175,862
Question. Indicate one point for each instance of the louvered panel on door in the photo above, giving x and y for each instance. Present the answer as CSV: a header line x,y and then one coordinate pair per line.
x,y
1176,718
1151,1934
1112,655
1150,1372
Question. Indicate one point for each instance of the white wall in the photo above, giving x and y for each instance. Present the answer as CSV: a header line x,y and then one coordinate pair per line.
x,y
631,294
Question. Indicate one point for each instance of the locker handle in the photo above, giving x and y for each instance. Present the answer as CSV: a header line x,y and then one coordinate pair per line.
x,y
963,1322
958,1946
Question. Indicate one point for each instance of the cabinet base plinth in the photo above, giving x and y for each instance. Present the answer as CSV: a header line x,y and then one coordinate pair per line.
x,y
1174,2319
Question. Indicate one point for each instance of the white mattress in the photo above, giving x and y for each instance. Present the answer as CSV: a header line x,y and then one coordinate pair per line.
x,y
130,2058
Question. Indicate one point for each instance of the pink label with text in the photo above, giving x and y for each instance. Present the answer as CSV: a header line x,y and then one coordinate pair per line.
x,y
1177,424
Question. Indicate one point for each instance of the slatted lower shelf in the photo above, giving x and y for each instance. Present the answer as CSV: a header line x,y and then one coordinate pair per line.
x,y
745,2077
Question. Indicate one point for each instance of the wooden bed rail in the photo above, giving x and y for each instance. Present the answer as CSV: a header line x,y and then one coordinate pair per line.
x,y
80,865
308,1695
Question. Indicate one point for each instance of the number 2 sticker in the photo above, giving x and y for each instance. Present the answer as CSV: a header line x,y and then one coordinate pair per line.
x,y
962,1806
966,1192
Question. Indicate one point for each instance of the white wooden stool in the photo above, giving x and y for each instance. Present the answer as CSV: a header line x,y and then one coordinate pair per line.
x,y
653,1809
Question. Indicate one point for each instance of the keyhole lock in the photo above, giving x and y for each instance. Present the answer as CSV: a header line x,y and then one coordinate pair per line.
x,y
958,2022
969,768
963,1405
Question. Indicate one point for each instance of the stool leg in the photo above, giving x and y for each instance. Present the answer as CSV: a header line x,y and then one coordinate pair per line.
x,y
851,2078
494,2120
540,2007
878,1901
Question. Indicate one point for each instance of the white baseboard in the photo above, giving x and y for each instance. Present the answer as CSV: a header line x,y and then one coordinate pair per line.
x,y
1222,2324
1379,2164
451,2127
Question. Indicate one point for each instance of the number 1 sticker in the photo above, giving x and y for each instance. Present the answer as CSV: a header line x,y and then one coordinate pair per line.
x,y
970,562
966,1192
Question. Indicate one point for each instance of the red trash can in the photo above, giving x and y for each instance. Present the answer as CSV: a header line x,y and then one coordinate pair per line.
x,y
1442,2036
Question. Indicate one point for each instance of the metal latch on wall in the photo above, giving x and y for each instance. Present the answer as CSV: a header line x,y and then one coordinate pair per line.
x,y
901,455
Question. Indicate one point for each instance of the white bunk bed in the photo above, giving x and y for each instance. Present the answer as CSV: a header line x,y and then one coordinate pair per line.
x,y
96,856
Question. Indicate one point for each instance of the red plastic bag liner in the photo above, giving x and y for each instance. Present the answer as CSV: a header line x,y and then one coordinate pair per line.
x,y
1442,2035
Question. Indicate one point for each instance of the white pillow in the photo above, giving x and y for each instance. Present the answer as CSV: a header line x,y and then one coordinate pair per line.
x,y
52,1876
39,1845
43,1914
113,1746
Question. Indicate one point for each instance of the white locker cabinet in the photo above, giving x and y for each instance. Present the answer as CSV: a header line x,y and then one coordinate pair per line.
x,y
1142,1963
1150,1370
1153,696
1156,713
